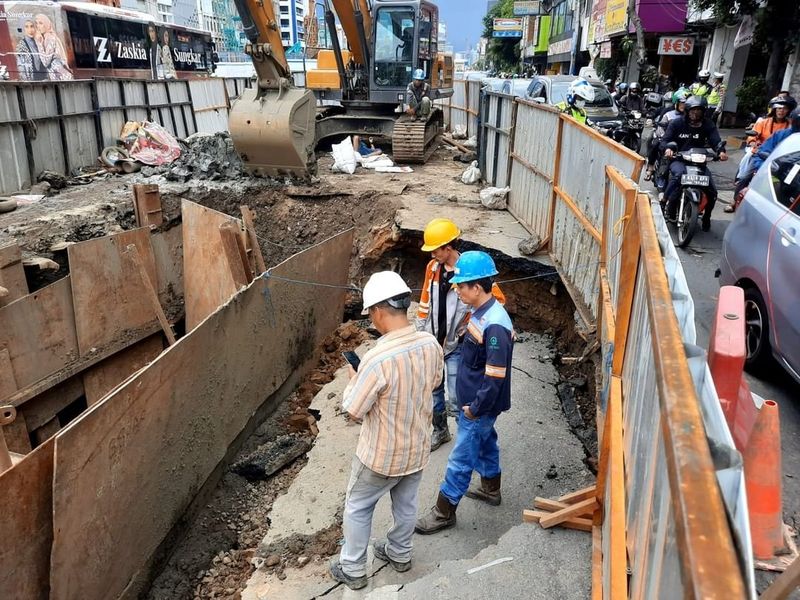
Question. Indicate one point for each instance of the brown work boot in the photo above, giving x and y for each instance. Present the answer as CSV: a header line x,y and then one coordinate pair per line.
x,y
441,432
441,516
488,491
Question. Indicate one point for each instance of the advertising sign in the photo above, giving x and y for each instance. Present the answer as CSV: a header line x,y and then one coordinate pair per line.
x,y
605,50
744,37
560,47
527,9
508,28
676,46
597,22
616,16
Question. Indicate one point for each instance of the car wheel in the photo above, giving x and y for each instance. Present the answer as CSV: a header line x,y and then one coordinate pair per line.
x,y
759,353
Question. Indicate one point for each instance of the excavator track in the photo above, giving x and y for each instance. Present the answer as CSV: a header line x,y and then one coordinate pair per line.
x,y
415,141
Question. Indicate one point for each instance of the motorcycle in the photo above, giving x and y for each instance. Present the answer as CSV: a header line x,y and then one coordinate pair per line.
x,y
653,103
695,190
627,131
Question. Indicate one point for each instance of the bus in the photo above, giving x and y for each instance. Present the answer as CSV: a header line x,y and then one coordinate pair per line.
x,y
61,41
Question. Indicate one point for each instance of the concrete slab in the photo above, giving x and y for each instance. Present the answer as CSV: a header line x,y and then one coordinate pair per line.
x,y
533,436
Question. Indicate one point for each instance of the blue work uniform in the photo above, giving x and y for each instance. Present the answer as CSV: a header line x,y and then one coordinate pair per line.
x,y
483,384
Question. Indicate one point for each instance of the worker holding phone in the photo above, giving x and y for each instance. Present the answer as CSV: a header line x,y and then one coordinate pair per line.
x,y
390,393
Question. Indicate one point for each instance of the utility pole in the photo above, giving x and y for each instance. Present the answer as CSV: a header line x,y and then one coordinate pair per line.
x,y
577,16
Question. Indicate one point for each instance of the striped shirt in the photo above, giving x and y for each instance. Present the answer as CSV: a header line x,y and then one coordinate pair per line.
x,y
392,393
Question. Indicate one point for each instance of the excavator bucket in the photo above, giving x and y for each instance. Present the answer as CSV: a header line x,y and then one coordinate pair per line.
x,y
274,133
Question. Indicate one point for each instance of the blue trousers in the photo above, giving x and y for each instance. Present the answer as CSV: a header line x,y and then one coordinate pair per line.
x,y
475,449
672,193
450,372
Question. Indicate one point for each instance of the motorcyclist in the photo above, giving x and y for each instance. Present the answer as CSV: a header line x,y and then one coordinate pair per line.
x,y
622,89
679,100
701,87
633,100
418,96
693,130
578,94
760,154
779,109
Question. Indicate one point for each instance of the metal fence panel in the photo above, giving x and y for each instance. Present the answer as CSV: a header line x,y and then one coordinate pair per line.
x,y
210,105
495,152
534,157
473,106
14,173
458,106
81,140
616,228
48,152
576,253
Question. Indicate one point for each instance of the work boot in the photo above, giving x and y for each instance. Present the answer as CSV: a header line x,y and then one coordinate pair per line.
x,y
488,491
441,432
336,571
441,516
382,554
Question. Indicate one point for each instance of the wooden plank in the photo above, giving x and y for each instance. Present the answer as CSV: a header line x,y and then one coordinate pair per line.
x,y
26,530
12,274
551,505
103,378
614,503
17,438
785,584
147,205
578,509
709,563
250,227
536,516
556,180
107,291
234,254
39,332
159,435
44,407
597,556
587,225
629,265
207,279
149,291
578,495
46,431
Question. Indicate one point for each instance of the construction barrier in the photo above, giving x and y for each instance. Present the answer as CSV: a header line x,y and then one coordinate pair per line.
x,y
62,126
673,520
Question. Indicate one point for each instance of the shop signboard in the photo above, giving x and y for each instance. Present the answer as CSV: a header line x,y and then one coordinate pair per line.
x,y
676,46
605,50
616,17
560,47
527,9
744,37
507,28
597,22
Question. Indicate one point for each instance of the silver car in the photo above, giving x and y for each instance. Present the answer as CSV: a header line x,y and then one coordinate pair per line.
x,y
761,254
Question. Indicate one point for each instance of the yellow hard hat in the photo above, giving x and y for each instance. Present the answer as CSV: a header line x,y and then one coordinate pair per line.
x,y
438,233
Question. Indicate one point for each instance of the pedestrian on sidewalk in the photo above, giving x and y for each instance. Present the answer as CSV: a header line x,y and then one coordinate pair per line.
x,y
483,390
444,315
391,395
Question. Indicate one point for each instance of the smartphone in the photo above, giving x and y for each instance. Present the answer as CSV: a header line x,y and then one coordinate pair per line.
x,y
352,358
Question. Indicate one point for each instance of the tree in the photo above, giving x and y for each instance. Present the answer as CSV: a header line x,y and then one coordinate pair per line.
x,y
777,29
504,53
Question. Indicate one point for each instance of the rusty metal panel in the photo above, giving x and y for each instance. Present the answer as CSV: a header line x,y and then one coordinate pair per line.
x,y
532,173
26,529
168,254
107,293
101,379
210,104
207,279
159,436
39,332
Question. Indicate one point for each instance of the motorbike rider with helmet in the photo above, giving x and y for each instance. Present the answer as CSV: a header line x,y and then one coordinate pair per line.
x,y
418,97
679,99
693,130
578,94
609,83
701,87
622,89
633,100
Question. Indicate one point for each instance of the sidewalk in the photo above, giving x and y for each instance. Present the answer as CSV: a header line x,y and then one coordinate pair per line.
x,y
540,457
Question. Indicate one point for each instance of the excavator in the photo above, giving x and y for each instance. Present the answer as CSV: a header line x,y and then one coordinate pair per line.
x,y
359,90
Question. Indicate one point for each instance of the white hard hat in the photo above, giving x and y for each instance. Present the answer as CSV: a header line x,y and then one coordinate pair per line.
x,y
718,75
582,89
704,73
383,286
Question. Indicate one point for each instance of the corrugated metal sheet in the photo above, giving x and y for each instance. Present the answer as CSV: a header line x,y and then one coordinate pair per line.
x,y
474,104
496,141
48,153
76,97
14,174
9,105
578,255
532,189
210,105
616,211
81,139
458,110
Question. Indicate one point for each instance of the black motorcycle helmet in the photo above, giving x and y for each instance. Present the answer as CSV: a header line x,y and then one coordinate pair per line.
x,y
635,88
695,102
622,88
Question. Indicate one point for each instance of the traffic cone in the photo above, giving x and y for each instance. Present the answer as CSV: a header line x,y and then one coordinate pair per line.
x,y
762,476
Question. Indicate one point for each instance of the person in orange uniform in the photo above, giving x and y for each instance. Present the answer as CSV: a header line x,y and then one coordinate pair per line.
x,y
444,315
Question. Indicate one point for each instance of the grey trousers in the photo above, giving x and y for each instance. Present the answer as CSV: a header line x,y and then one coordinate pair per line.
x,y
366,487
422,108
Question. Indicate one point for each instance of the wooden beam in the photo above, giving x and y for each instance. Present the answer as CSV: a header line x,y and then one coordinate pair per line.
x,y
132,254
597,556
573,510
250,227
536,516
578,495
556,180
229,235
614,504
587,225
785,584
629,265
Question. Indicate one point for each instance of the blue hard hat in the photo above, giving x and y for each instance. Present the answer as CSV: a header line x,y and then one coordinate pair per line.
x,y
419,75
473,265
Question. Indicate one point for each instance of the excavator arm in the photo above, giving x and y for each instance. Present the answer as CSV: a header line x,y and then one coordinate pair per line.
x,y
356,21
273,124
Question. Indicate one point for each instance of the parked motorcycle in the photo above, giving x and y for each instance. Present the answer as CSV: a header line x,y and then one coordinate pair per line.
x,y
695,191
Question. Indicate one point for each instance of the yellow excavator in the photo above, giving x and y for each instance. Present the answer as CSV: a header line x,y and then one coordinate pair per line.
x,y
359,90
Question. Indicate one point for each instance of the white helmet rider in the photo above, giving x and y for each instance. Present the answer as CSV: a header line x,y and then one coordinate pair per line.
x,y
579,93
704,74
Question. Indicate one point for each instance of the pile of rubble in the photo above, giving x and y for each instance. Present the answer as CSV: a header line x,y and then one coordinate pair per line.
x,y
203,156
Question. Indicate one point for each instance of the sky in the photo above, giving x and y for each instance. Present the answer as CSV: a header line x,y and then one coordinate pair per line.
x,y
464,20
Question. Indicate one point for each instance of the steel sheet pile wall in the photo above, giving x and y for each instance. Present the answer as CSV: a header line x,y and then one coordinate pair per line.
x,y
63,126
497,118
533,171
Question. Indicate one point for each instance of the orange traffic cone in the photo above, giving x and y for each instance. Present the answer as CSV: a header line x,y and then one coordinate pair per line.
x,y
762,476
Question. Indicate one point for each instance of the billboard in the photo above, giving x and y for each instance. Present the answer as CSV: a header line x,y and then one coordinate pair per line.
x,y
507,28
616,17
527,9
676,46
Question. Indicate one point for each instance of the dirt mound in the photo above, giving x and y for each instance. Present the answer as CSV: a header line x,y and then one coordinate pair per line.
x,y
203,156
